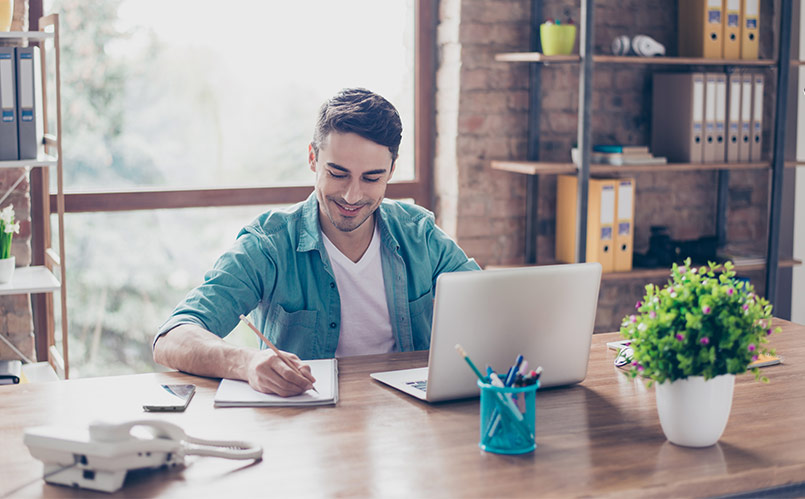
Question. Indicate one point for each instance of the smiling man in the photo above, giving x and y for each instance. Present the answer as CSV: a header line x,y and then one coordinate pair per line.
x,y
345,272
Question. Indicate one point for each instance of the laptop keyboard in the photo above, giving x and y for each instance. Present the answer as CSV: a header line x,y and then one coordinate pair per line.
x,y
420,385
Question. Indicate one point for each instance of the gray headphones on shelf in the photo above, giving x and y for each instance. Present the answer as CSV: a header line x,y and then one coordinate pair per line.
x,y
641,45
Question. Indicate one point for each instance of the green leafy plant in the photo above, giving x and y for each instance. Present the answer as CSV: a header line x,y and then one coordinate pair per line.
x,y
8,227
703,322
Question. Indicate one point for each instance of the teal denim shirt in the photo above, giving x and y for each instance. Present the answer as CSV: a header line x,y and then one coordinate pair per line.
x,y
279,271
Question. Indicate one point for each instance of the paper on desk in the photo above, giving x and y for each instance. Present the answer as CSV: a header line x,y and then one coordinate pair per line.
x,y
233,393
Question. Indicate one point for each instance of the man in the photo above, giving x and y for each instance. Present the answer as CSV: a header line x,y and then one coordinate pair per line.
x,y
343,273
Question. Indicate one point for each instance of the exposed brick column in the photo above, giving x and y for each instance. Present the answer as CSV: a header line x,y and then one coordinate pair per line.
x,y
481,110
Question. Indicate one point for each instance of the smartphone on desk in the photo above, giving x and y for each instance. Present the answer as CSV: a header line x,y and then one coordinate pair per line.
x,y
169,398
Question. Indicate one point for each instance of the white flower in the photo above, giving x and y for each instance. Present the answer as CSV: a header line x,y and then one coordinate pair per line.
x,y
12,228
7,215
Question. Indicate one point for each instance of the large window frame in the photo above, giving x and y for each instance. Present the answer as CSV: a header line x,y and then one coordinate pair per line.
x,y
420,189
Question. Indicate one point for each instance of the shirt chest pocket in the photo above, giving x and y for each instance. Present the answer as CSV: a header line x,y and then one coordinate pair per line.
x,y
294,331
421,312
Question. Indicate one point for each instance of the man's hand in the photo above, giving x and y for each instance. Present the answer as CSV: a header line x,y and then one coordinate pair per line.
x,y
269,374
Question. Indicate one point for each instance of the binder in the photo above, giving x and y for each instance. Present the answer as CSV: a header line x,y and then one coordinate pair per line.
x,y
733,117
746,117
677,116
8,108
624,224
750,23
600,221
26,109
710,99
756,148
721,118
701,27
732,29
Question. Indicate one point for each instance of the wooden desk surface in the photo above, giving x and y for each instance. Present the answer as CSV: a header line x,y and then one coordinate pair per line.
x,y
599,438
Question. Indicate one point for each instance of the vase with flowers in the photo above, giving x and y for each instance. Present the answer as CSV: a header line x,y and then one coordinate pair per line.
x,y
690,338
8,227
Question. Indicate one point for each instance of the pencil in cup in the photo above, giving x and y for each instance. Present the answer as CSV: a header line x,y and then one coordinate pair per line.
x,y
276,350
504,429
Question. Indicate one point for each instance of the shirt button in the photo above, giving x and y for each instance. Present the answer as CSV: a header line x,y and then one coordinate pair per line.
x,y
332,284
333,324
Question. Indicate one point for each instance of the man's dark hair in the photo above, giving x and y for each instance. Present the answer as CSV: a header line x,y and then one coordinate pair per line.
x,y
359,111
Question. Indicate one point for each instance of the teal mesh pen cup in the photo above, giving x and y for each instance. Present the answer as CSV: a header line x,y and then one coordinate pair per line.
x,y
507,418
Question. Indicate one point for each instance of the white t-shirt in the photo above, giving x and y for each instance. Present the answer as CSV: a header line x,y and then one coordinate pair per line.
x,y
365,324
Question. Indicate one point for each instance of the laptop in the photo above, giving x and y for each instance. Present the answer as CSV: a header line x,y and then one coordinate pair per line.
x,y
545,313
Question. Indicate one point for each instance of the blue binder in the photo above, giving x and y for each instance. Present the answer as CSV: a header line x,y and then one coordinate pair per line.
x,y
8,107
26,99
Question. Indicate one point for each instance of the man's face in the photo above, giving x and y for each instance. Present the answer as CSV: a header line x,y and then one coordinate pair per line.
x,y
351,177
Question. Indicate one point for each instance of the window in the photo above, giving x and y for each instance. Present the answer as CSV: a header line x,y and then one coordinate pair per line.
x,y
187,104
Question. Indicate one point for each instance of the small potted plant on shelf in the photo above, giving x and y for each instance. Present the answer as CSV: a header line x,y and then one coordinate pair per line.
x,y
8,227
691,337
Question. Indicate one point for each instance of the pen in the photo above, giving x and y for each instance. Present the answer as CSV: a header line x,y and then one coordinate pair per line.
x,y
513,371
270,345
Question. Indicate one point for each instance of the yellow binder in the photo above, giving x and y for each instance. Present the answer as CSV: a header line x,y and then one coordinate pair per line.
x,y
600,221
624,224
732,29
750,23
701,27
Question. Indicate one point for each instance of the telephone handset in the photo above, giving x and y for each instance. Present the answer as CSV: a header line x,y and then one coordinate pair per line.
x,y
99,457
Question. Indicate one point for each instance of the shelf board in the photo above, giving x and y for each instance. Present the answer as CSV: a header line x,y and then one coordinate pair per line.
x,y
42,160
653,273
794,164
664,272
553,168
30,280
30,35
617,59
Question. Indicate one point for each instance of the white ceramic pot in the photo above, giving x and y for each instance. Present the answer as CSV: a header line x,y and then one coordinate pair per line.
x,y
694,412
7,269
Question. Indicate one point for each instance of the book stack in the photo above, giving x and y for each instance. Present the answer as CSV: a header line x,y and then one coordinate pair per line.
x,y
620,155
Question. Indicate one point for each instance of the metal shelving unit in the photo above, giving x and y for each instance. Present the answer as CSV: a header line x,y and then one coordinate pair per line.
x,y
533,168
46,275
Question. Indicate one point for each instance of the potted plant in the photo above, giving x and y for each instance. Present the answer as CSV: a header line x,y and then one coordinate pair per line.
x,y
8,227
692,337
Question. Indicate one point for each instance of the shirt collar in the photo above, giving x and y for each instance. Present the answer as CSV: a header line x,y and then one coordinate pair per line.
x,y
309,231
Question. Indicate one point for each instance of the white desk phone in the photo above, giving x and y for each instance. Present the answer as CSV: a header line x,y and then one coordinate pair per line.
x,y
99,457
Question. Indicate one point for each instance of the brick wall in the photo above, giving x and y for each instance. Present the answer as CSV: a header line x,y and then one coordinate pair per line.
x,y
16,323
482,115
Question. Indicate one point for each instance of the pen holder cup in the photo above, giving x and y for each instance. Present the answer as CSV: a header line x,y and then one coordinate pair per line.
x,y
557,39
507,418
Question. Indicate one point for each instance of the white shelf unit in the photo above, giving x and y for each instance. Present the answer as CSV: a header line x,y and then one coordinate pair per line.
x,y
37,279
47,275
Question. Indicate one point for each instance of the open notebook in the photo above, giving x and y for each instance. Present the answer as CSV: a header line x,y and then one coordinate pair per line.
x,y
233,393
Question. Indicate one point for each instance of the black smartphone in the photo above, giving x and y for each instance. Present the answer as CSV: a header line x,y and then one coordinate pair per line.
x,y
170,398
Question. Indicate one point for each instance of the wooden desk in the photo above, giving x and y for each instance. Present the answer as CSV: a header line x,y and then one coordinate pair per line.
x,y
599,438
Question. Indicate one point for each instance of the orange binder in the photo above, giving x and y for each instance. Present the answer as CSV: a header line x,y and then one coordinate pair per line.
x,y
733,117
746,118
750,24
732,29
710,149
600,221
624,224
757,118
701,27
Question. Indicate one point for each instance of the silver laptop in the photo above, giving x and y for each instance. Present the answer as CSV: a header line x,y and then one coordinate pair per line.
x,y
545,313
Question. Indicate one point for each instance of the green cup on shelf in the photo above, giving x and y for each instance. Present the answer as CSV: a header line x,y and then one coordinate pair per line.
x,y
557,39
